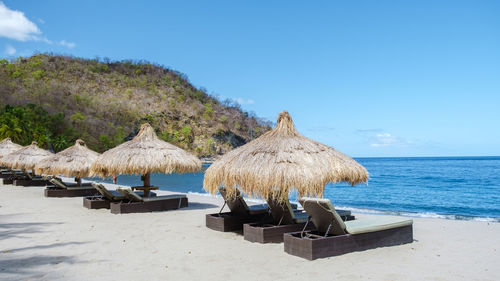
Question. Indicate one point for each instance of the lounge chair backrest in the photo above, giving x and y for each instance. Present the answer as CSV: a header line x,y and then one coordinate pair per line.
x,y
237,205
58,183
103,190
130,195
282,212
323,215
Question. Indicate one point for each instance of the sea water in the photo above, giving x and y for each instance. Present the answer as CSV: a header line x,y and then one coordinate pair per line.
x,y
445,187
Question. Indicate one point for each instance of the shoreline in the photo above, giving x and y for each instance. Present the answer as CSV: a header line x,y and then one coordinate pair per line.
x,y
58,239
354,209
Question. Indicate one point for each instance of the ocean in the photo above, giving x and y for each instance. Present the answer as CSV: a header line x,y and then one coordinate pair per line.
x,y
466,188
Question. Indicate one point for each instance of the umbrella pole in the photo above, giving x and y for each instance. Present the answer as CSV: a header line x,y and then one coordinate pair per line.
x,y
78,181
146,179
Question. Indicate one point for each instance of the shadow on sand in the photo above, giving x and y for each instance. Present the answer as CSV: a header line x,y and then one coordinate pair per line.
x,y
27,262
9,230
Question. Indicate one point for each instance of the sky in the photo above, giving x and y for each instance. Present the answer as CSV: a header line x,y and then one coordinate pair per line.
x,y
370,78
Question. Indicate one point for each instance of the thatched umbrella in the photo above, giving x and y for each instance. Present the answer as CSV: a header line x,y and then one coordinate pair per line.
x,y
74,161
26,158
280,161
7,147
145,154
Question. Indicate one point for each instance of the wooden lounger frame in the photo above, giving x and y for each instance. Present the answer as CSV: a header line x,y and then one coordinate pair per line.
x,y
227,221
270,233
148,206
239,214
273,232
30,182
96,202
311,245
6,181
84,190
101,202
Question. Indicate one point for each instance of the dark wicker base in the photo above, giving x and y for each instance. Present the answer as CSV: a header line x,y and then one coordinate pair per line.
x,y
269,233
98,202
227,222
95,202
39,182
148,206
322,247
69,192
7,181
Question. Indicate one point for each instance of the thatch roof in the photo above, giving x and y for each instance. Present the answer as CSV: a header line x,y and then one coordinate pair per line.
x,y
26,158
280,161
7,146
144,154
74,161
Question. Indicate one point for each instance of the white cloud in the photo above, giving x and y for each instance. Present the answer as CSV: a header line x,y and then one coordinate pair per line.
x,y
386,139
64,43
243,101
14,25
9,50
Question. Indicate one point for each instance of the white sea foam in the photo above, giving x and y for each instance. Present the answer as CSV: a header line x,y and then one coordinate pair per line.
x,y
359,210
380,212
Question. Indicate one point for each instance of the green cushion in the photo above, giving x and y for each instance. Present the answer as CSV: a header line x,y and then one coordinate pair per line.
x,y
110,195
323,214
373,224
58,183
165,197
129,194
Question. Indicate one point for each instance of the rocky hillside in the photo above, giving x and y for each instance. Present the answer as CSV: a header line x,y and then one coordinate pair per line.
x,y
104,103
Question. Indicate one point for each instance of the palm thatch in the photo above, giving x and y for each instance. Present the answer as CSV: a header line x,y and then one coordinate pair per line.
x,y
145,154
280,161
26,158
74,161
7,147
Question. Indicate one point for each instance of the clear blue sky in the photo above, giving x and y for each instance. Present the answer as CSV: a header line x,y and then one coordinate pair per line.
x,y
370,78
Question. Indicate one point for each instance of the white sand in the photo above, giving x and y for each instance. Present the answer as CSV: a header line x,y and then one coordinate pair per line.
x,y
58,239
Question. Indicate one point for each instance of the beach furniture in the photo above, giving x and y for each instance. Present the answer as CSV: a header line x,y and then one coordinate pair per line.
x,y
61,189
134,203
239,214
25,160
105,197
74,161
5,173
276,163
9,176
284,220
145,154
29,180
334,237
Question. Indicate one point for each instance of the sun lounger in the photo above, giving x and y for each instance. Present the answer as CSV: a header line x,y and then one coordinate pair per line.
x,y
5,174
240,213
29,180
61,189
285,220
11,175
105,197
334,237
133,203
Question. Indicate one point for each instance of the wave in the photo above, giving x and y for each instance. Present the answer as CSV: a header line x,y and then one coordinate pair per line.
x,y
382,212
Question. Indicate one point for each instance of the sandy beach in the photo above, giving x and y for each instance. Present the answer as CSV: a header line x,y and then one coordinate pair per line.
x,y
58,239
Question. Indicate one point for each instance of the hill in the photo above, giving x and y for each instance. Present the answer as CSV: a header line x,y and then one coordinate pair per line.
x,y
57,99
